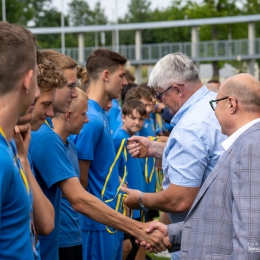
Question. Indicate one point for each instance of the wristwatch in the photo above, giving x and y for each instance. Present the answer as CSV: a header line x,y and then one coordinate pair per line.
x,y
140,200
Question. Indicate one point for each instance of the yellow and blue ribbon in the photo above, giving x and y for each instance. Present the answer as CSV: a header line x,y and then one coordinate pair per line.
x,y
120,207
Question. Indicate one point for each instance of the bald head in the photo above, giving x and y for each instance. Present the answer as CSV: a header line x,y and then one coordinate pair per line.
x,y
245,88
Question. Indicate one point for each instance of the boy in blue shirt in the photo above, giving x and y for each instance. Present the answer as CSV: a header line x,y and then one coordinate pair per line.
x,y
107,79
70,244
133,116
49,161
146,98
18,77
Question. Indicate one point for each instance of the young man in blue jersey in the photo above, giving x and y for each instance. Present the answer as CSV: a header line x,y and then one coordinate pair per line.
x,y
133,116
57,87
18,77
96,155
42,212
70,244
56,174
107,78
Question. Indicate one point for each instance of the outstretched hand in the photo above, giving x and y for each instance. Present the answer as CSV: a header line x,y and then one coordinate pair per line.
x,y
155,237
152,227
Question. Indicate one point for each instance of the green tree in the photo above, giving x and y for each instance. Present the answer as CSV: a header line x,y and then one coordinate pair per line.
x,y
216,8
51,18
80,14
22,11
176,11
139,11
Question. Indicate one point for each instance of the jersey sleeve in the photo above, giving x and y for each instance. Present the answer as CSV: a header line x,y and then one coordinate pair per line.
x,y
5,179
89,137
187,159
50,159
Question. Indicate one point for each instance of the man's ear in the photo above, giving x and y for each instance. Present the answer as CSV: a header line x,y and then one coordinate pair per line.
x,y
123,118
68,116
179,90
27,80
105,75
232,105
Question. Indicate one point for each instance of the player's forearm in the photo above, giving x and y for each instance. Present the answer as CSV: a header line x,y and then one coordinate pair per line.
x,y
94,208
43,211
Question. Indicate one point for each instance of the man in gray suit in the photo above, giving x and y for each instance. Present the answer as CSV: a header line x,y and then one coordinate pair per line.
x,y
224,220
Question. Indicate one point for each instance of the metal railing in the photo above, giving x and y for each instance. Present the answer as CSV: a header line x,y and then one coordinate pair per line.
x,y
241,49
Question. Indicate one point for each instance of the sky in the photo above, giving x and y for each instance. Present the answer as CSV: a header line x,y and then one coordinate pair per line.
x,y
109,6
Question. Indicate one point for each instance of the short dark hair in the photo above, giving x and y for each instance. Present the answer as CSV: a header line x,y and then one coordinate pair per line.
x,y
139,93
150,89
126,89
17,54
103,59
132,105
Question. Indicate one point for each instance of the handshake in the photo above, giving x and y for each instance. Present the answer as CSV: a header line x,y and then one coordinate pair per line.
x,y
155,238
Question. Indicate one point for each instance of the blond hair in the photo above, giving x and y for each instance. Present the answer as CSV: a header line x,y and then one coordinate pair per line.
x,y
82,75
82,96
50,77
60,60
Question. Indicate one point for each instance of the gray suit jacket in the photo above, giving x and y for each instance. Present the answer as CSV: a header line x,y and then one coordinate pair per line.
x,y
224,220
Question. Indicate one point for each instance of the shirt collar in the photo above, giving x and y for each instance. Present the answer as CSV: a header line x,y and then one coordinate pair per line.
x,y
49,123
231,139
199,94
96,105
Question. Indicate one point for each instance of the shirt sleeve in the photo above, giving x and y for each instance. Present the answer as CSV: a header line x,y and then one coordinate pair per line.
x,y
50,159
89,137
187,159
5,179
175,234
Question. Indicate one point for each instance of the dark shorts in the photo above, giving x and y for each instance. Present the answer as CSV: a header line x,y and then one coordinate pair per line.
x,y
70,253
152,213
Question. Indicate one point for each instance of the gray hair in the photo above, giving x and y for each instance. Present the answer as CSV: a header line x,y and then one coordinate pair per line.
x,y
173,68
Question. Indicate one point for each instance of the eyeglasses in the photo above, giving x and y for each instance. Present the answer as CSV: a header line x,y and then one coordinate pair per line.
x,y
72,86
159,95
213,103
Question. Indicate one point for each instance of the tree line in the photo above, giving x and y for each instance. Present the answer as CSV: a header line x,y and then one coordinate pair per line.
x,y
41,13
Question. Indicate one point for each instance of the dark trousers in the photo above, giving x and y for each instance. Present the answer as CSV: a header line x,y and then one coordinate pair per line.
x,y
70,253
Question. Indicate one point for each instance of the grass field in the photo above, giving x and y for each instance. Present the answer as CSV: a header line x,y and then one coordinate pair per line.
x,y
155,257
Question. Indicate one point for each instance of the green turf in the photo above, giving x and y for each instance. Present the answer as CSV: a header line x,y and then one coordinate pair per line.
x,y
153,256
